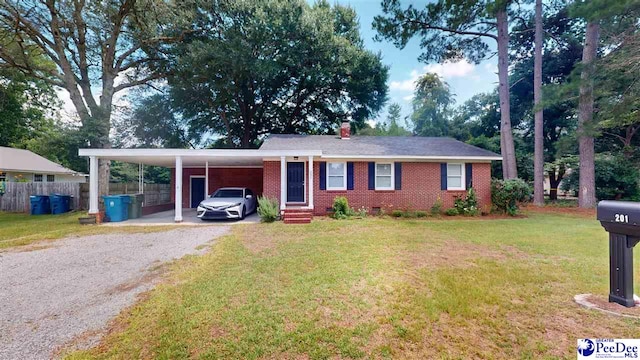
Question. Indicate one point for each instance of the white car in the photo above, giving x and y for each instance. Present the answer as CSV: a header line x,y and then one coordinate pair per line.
x,y
227,203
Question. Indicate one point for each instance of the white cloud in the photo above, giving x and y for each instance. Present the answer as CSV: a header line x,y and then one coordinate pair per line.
x,y
449,69
446,70
406,85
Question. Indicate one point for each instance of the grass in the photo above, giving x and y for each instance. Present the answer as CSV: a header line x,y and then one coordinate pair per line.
x,y
20,229
379,288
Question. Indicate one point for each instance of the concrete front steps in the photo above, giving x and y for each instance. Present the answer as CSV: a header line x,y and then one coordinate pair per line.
x,y
297,216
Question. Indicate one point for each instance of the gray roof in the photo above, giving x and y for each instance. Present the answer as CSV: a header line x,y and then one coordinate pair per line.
x,y
26,161
377,146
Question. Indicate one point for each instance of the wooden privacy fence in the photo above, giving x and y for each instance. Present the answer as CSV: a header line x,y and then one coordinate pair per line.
x,y
154,194
16,196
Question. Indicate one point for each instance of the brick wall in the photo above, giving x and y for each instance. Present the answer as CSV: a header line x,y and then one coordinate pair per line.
x,y
420,187
219,177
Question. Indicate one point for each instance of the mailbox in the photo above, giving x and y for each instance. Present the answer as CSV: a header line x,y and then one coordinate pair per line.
x,y
622,220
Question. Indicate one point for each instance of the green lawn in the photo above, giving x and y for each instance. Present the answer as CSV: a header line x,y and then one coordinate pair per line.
x,y
379,288
18,229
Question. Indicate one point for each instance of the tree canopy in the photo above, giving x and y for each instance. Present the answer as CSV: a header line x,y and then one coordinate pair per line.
x,y
275,66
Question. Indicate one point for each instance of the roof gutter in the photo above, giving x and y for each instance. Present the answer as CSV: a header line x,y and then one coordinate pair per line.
x,y
415,157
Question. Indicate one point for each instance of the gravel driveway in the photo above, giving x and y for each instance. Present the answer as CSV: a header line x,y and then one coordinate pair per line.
x,y
50,297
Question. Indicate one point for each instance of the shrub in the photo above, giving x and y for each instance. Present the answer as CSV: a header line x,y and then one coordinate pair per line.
x,y
451,212
436,209
506,195
362,212
468,205
341,209
397,213
268,209
421,214
616,179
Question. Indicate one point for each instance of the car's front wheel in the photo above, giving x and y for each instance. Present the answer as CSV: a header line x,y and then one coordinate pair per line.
x,y
243,213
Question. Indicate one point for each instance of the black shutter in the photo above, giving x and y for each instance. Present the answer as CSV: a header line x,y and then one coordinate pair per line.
x,y
398,175
372,176
349,176
468,173
323,175
443,176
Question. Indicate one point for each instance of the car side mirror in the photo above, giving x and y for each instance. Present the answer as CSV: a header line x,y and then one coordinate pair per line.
x,y
249,196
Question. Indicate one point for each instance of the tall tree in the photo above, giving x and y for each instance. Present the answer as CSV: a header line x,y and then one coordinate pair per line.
x,y
587,187
456,29
276,66
432,106
393,126
538,153
95,47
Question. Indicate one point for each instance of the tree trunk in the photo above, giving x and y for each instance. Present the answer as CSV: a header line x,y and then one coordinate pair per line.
x,y
587,189
538,153
507,148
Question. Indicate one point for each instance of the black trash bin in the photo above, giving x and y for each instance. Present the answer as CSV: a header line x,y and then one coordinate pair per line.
x,y
135,206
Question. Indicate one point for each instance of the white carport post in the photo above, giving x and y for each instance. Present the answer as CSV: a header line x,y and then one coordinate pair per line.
x,y
206,179
311,182
283,182
178,205
93,185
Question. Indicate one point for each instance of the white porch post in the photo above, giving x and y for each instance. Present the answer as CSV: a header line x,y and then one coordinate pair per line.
x,y
206,179
93,185
311,182
283,182
178,205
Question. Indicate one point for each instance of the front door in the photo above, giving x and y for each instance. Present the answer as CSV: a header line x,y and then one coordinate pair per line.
x,y
197,191
295,182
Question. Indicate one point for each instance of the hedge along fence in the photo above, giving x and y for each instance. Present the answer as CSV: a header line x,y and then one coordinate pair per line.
x,y
154,194
16,195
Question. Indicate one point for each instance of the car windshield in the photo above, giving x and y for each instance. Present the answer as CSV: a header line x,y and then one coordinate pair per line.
x,y
228,193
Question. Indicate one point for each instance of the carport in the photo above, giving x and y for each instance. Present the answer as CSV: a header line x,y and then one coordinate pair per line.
x,y
201,168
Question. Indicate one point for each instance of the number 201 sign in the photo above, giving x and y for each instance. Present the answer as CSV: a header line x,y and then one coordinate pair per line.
x,y
621,218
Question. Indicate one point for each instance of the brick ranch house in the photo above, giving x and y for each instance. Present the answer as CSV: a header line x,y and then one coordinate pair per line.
x,y
306,172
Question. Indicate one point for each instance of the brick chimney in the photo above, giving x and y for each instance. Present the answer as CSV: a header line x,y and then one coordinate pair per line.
x,y
345,130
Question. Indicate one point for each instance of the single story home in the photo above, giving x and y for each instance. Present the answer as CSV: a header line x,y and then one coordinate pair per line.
x,y
19,165
306,172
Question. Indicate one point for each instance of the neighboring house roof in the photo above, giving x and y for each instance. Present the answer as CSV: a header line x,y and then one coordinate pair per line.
x,y
379,146
25,161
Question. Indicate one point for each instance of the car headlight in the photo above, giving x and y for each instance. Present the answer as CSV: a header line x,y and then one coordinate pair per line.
x,y
201,208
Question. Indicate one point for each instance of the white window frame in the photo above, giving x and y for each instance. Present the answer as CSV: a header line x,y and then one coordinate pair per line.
x,y
42,178
393,172
344,176
462,177
47,177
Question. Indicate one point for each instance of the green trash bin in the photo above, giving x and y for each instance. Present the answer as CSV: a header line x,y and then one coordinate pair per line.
x,y
135,206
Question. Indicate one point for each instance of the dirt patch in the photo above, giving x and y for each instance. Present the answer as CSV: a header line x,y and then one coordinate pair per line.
x,y
569,210
148,278
459,254
602,302
256,241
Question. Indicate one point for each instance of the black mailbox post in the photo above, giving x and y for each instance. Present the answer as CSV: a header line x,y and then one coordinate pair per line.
x,y
622,220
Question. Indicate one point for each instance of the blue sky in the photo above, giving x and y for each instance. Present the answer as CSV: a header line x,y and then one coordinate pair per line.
x,y
464,79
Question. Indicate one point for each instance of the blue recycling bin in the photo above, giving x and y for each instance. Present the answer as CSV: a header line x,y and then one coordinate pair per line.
x,y
40,204
117,207
60,204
